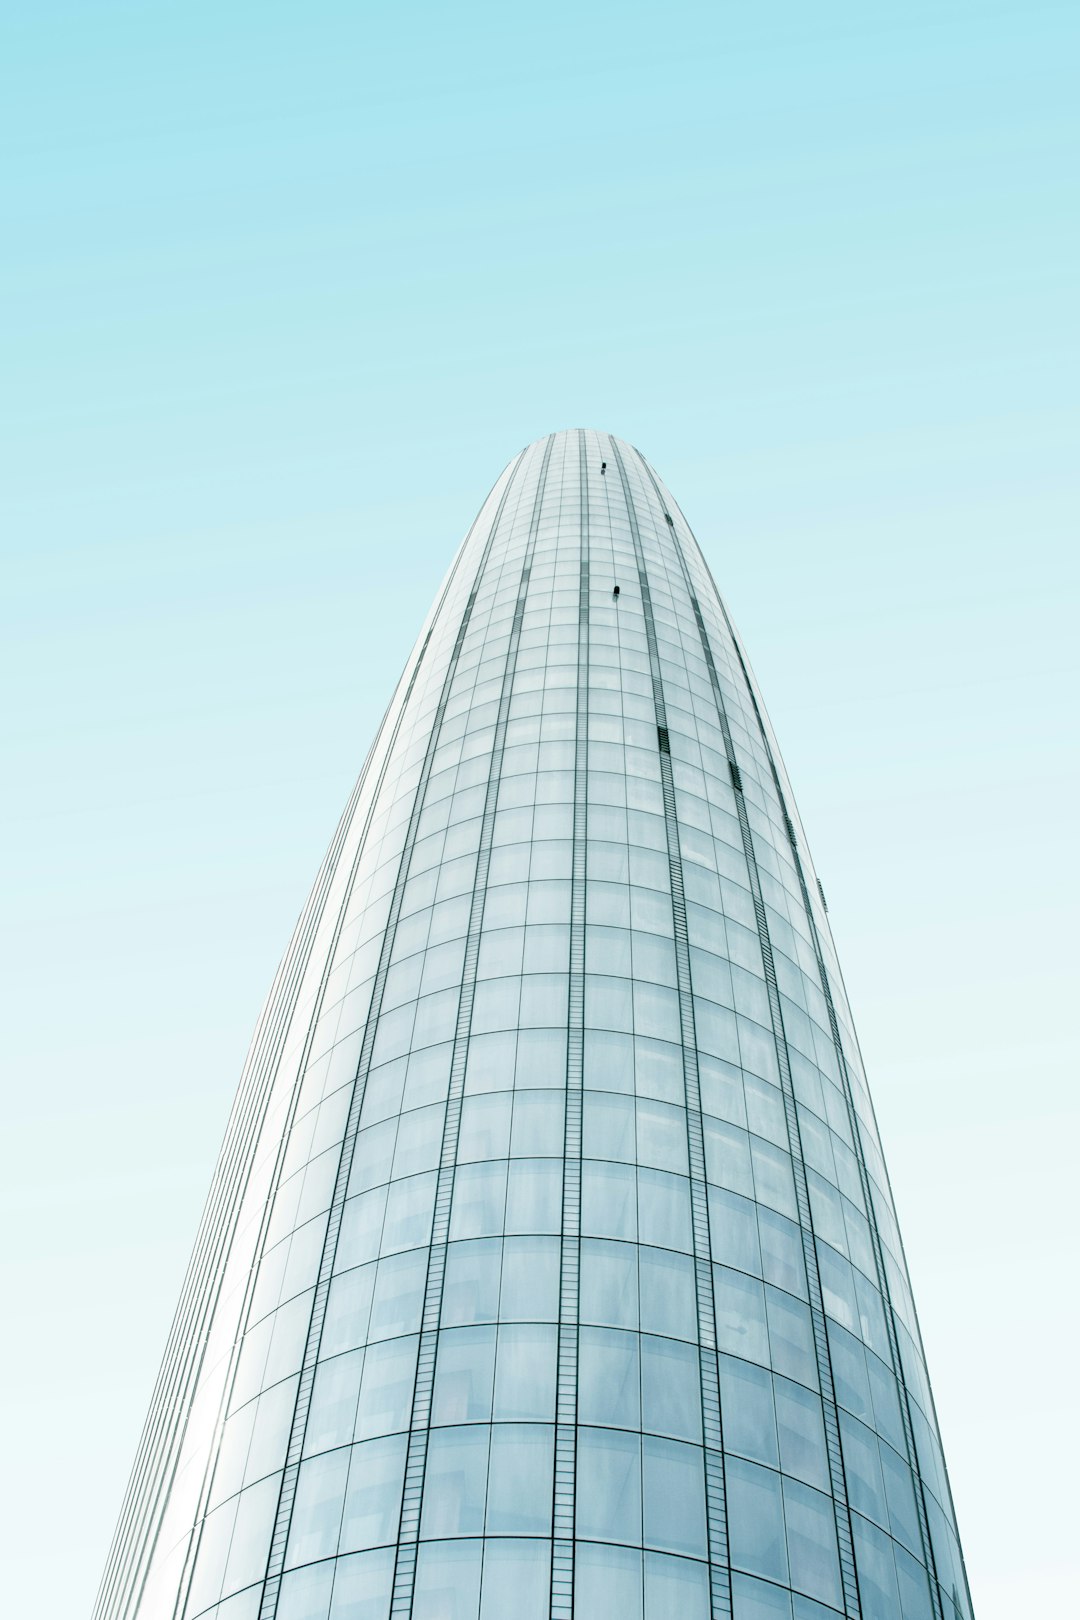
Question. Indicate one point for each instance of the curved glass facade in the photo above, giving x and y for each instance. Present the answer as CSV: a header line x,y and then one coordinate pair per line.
x,y
550,1267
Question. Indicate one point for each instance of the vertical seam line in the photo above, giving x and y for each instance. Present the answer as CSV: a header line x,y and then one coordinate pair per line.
x,y
712,1427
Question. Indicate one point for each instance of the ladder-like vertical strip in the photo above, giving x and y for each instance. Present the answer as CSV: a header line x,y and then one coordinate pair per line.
x,y
837,1478
206,1271
304,1391
163,1435
416,1454
279,1539
562,1563
855,1127
712,1430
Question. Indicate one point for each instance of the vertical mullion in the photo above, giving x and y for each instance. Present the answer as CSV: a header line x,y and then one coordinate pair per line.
x,y
416,1454
562,1566
838,1483
712,1431
275,1565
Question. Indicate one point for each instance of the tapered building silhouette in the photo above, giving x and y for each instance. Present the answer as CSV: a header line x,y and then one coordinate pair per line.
x,y
550,1267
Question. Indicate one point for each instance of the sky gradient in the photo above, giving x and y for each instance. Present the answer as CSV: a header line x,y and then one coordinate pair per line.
x,y
283,288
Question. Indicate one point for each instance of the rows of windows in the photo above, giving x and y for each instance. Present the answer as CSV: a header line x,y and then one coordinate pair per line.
x,y
640,1498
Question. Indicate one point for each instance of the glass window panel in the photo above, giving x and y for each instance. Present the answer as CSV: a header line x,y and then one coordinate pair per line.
x,y
774,1183
872,1316
791,1337
520,1479
363,1585
838,1289
862,1469
447,1580
517,1576
609,1061
373,1496
802,1433
534,1196
609,1003
608,1378
399,1295
232,1457
538,1124
607,1581
765,1114
757,1600
419,1141
609,1283
252,1530
373,1157
886,1402
547,949
746,1402
654,959
733,1231
525,1373
333,1402
270,1432
607,950
541,1058
722,1090
674,1497
900,1496
876,1569
317,1508
811,1537
668,1299
727,1157
756,1520
650,910
348,1309
716,1030
608,1200
664,1210
455,1482
544,999
479,1200
670,1388
386,1388
661,1136
213,1551
305,1593
464,1374
659,1073
361,1229
675,1588
914,1586
740,1315
490,1063
782,1258
849,1372
429,1077
530,1280
485,1126
608,1126
471,1283
409,1207
608,1498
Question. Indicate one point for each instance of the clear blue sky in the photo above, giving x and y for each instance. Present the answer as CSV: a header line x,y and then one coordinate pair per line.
x,y
282,287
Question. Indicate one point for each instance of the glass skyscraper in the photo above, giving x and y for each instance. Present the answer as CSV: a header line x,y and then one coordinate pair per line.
x,y
550,1267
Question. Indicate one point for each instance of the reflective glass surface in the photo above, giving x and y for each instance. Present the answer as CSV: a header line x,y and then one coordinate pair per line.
x,y
550,1266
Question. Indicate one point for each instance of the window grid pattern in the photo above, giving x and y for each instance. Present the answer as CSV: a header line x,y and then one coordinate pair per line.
x,y
824,1371
551,1265
719,1569
881,1276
